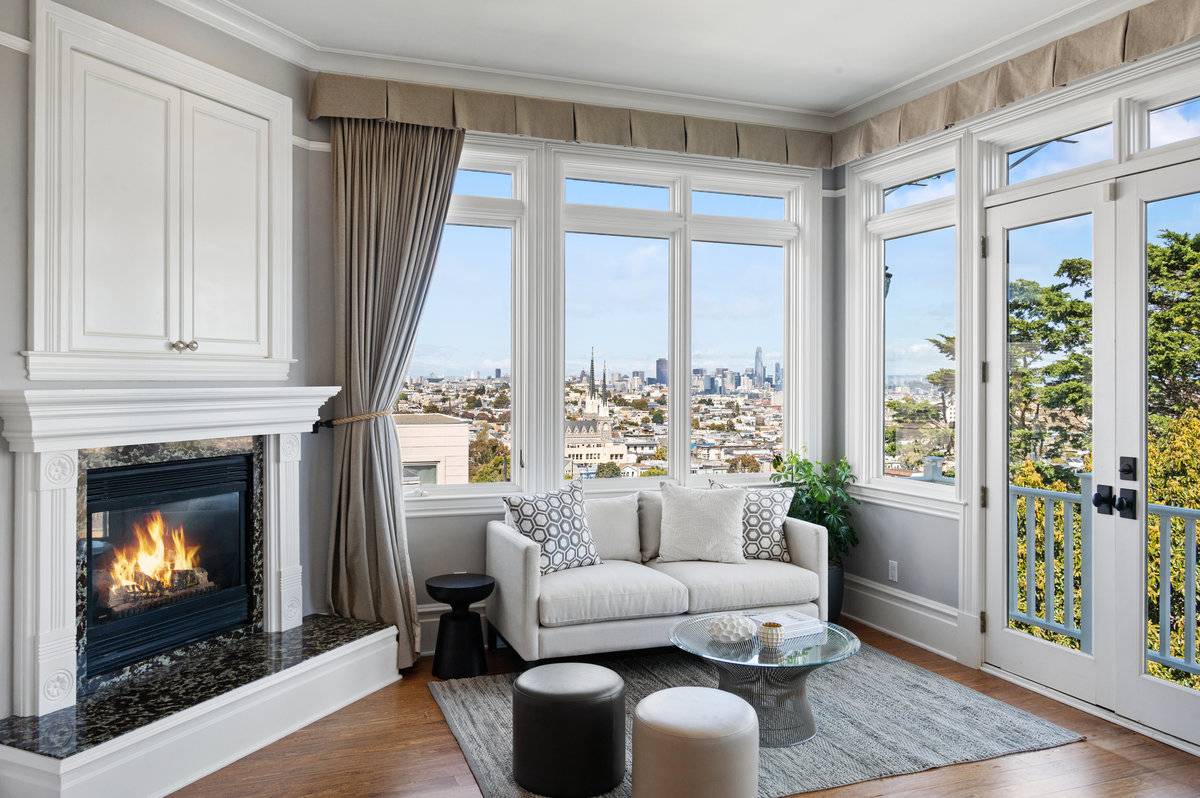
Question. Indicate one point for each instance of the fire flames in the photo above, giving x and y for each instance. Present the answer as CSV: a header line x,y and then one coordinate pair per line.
x,y
158,556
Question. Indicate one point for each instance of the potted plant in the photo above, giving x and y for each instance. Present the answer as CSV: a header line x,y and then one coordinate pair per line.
x,y
822,497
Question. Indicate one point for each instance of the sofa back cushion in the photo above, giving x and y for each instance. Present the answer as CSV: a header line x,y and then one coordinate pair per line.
x,y
649,523
614,526
700,524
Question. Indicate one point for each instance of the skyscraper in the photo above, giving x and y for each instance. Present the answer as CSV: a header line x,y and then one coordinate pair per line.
x,y
760,371
660,370
778,375
497,373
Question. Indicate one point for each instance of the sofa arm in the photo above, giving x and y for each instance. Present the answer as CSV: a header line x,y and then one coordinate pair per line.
x,y
808,545
512,560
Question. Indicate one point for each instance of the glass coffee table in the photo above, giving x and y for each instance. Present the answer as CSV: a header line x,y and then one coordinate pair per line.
x,y
772,679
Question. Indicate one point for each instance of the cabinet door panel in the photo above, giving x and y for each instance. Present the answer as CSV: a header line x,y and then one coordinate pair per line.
x,y
225,229
124,229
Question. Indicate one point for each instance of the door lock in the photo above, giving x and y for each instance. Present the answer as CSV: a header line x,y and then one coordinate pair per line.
x,y
1127,468
1105,501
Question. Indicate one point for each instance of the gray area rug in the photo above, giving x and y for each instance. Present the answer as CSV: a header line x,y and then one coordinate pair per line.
x,y
877,716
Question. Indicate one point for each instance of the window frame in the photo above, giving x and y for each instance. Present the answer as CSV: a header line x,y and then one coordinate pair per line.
x,y
868,227
513,214
798,234
539,218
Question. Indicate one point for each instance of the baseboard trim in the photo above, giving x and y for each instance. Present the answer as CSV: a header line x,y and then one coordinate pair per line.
x,y
213,734
906,616
1092,709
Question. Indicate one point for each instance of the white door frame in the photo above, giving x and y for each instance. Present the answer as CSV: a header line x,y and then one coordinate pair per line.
x,y
1068,671
1163,705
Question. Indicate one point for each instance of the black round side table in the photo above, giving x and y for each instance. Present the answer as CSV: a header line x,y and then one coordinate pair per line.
x,y
460,639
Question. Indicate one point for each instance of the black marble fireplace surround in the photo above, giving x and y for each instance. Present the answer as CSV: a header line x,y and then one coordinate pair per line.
x,y
213,485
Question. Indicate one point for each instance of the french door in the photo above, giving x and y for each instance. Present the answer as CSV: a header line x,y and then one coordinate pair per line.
x,y
1094,432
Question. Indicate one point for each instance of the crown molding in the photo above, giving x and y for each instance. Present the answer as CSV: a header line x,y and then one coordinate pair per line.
x,y
282,43
1079,16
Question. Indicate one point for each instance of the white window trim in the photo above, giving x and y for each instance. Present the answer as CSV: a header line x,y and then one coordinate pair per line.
x,y
867,229
539,219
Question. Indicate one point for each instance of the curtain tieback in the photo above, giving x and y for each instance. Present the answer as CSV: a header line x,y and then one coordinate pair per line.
x,y
338,422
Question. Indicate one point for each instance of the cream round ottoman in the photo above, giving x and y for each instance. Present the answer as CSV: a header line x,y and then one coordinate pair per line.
x,y
695,742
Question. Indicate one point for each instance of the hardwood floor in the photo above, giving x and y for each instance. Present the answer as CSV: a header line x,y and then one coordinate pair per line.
x,y
395,742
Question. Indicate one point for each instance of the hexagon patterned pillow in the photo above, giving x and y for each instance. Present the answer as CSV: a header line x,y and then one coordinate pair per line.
x,y
762,522
557,522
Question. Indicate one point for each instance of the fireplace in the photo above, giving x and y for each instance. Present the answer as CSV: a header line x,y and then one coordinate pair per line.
x,y
167,556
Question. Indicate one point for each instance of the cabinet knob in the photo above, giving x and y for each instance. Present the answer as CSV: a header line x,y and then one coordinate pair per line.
x,y
178,346
193,346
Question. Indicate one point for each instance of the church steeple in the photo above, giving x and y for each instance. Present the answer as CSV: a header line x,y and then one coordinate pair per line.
x,y
604,382
592,375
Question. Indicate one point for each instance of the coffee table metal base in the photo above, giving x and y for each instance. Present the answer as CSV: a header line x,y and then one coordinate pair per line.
x,y
785,717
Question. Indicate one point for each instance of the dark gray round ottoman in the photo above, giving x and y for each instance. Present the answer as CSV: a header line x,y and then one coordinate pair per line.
x,y
568,730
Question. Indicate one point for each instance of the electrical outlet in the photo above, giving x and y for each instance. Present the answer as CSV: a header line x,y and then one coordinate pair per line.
x,y
893,571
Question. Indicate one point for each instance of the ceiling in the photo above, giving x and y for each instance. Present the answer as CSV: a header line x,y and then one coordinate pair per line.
x,y
823,58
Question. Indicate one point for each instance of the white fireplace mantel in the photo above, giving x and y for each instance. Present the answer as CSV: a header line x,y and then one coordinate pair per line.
x,y
46,429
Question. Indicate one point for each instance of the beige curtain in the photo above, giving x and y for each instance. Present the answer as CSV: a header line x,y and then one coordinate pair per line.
x,y
391,185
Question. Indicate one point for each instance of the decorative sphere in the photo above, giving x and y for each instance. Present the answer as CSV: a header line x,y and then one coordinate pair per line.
x,y
731,628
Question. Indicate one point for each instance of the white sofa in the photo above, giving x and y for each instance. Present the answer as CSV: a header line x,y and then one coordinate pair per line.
x,y
631,600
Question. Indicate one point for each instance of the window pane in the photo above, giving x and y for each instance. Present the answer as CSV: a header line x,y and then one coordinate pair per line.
x,y
737,355
615,396
716,203
454,413
483,184
1059,155
1175,122
918,344
621,195
915,192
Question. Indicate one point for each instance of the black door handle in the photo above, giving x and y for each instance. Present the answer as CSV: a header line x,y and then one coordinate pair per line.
x,y
1105,501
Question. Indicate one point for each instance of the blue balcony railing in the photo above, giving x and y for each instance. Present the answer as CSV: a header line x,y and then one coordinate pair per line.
x,y
1056,507
1071,512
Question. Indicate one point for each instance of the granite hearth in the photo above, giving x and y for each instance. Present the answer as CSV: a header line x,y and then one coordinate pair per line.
x,y
177,681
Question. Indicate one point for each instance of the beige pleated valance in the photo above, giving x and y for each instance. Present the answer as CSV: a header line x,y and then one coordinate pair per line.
x,y
485,112
1135,34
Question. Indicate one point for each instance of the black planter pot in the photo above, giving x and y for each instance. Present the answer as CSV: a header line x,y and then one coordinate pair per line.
x,y
836,586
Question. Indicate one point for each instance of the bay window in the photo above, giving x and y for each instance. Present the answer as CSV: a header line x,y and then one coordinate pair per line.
x,y
615,316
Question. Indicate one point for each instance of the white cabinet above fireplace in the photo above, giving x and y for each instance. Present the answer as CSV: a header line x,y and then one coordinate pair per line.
x,y
161,236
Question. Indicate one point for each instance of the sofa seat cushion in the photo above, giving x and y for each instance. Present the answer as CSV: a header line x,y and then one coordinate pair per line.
x,y
613,590
719,586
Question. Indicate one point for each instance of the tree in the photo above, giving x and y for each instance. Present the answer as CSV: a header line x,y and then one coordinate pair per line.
x,y
431,407
608,470
744,464
654,471
660,453
658,417
502,401
487,458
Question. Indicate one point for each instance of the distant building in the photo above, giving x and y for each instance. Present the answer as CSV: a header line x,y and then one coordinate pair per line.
x,y
760,371
660,370
778,375
590,440
498,371
636,380
434,448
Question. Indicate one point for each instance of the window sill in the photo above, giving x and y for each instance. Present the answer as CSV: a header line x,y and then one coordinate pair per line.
x,y
912,495
440,504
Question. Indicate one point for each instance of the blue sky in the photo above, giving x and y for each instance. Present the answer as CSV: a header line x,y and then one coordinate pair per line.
x,y
616,292
920,300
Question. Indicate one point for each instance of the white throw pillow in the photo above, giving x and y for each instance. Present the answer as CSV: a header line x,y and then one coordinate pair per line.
x,y
701,524
614,526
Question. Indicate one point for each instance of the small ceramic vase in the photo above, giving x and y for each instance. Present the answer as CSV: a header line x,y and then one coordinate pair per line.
x,y
770,634
731,629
